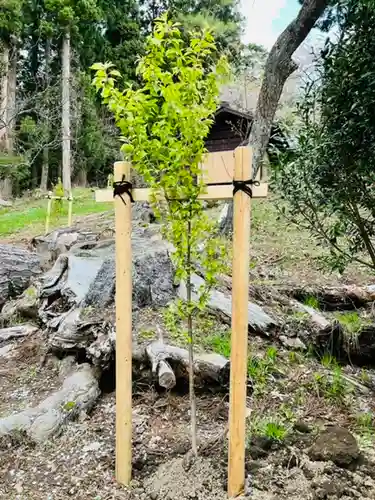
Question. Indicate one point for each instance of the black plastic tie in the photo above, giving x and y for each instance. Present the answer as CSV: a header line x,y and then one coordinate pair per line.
x,y
245,186
123,187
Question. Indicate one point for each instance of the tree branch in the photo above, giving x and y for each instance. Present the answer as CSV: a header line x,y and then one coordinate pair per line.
x,y
279,67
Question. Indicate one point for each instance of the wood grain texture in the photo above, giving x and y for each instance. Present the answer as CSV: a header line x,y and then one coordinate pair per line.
x,y
240,292
123,216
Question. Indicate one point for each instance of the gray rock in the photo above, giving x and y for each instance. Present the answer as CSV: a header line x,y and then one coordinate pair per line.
x,y
18,268
221,303
303,427
292,343
50,246
95,446
335,444
25,306
6,351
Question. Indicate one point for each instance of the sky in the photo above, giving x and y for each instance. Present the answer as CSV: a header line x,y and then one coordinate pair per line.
x,y
266,19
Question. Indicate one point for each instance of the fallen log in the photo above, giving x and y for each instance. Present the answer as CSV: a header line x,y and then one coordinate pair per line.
x,y
170,363
315,317
360,346
221,304
78,393
337,298
17,331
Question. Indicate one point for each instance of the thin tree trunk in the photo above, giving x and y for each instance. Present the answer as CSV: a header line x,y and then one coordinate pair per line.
x,y
193,409
82,178
12,88
66,154
365,236
226,220
45,165
279,67
4,73
8,89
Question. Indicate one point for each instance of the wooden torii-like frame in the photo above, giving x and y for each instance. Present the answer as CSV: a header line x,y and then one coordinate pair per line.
x,y
239,339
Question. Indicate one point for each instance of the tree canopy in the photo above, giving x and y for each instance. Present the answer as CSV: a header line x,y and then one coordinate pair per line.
x,y
32,34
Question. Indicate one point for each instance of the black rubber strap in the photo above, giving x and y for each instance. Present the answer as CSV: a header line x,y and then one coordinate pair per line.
x,y
245,186
123,187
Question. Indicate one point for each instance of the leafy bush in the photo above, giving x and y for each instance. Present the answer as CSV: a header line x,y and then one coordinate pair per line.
x,y
329,183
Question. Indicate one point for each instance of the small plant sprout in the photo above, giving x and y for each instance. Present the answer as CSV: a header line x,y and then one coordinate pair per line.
x,y
364,427
351,322
164,124
271,428
271,354
147,334
365,423
364,376
275,430
312,302
332,386
294,357
260,369
69,406
219,344
328,361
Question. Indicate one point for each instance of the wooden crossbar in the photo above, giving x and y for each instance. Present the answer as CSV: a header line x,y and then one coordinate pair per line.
x,y
213,193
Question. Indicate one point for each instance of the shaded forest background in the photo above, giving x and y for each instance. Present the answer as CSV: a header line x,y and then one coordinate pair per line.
x,y
47,102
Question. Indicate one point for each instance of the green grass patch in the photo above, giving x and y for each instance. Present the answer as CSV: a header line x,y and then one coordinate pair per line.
x,y
328,361
147,334
29,215
312,302
351,322
364,427
260,369
332,386
275,428
219,343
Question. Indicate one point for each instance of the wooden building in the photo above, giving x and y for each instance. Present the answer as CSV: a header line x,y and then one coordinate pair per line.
x,y
230,130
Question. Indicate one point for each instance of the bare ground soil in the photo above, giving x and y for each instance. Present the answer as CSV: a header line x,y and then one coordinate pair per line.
x,y
81,462
295,389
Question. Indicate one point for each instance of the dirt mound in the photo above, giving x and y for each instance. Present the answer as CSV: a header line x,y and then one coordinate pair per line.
x,y
174,479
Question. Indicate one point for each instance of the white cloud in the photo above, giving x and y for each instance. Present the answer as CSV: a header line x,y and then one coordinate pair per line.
x,y
259,15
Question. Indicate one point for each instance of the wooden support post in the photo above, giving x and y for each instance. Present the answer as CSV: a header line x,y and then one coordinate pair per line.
x,y
240,293
70,210
48,216
123,215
